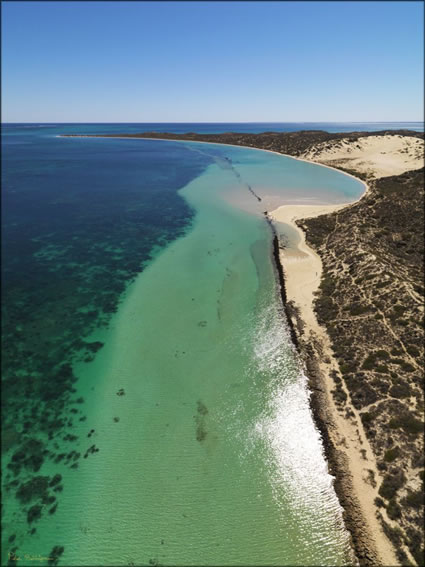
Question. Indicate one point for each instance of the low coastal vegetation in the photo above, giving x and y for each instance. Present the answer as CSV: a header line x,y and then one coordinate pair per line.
x,y
371,303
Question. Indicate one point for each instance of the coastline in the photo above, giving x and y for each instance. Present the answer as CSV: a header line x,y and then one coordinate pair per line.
x,y
345,465
222,144
122,367
351,456
354,492
343,438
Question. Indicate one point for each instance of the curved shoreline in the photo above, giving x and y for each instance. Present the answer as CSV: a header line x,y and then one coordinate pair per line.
x,y
222,144
365,547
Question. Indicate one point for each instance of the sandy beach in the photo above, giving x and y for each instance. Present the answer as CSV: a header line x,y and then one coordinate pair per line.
x,y
377,156
303,269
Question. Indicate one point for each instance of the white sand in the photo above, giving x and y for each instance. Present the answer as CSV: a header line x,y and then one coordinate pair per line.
x,y
377,156
303,269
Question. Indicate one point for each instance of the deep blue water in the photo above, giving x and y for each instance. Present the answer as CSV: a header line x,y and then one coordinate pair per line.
x,y
79,222
213,128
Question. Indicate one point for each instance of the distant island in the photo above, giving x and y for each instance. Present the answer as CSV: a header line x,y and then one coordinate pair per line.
x,y
359,325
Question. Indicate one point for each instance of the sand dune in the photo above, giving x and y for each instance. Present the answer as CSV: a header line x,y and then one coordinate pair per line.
x,y
376,156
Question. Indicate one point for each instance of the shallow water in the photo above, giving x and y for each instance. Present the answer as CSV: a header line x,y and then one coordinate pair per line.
x,y
208,454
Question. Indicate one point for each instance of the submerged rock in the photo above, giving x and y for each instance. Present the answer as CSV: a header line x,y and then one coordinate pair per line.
x,y
202,408
34,513
55,480
36,488
54,555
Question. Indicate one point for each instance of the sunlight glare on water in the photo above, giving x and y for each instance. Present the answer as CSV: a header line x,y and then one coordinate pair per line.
x,y
297,469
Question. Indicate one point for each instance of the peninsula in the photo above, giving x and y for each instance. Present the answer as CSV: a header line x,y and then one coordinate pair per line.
x,y
354,290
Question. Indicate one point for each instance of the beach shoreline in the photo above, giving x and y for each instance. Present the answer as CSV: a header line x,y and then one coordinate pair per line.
x,y
221,144
344,439
325,414
298,287
349,453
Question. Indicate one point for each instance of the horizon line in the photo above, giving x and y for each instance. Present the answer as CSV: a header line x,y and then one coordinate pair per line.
x,y
228,122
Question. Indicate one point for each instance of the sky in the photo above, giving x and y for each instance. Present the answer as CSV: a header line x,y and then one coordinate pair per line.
x,y
212,61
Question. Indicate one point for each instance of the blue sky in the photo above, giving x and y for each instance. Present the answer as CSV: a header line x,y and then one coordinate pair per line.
x,y
212,61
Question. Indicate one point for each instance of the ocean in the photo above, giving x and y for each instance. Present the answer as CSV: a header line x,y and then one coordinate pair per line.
x,y
217,127
157,412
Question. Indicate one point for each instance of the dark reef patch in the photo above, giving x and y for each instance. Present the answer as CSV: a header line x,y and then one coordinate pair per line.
x,y
34,489
34,513
202,412
82,221
55,554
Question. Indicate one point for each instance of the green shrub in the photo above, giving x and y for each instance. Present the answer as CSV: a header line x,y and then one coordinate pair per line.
x,y
394,534
408,423
357,309
399,309
379,502
390,485
419,555
393,509
415,546
327,285
382,354
340,395
348,367
370,361
400,391
412,350
391,454
325,306
414,499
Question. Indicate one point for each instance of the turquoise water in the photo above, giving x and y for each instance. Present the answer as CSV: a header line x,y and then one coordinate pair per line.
x,y
208,454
